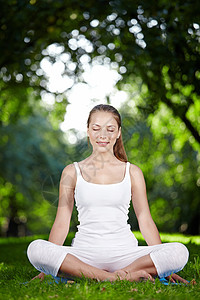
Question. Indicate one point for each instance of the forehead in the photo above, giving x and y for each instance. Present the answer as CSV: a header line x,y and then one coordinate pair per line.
x,y
103,119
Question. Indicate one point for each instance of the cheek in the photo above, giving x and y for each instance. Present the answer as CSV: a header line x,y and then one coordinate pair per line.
x,y
114,136
94,135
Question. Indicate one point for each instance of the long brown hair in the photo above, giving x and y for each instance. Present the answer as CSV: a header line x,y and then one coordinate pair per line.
x,y
118,148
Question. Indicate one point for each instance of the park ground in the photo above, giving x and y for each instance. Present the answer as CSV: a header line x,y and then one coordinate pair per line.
x,y
16,272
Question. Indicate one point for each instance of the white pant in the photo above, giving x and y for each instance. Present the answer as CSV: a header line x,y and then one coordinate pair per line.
x,y
168,258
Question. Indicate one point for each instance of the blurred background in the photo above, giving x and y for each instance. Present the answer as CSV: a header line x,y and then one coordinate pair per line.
x,y
58,60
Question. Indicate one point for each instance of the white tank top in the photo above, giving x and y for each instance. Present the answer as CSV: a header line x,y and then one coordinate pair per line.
x,y
103,212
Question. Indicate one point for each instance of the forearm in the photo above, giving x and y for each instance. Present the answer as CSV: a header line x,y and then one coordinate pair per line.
x,y
58,234
150,232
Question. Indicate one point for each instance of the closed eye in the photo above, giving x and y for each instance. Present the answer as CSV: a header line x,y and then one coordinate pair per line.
x,y
95,129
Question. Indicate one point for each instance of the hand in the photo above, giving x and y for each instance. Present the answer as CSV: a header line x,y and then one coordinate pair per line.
x,y
40,276
174,278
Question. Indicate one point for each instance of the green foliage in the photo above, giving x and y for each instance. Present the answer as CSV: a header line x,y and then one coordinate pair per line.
x,y
169,163
170,166
15,269
157,42
32,153
155,48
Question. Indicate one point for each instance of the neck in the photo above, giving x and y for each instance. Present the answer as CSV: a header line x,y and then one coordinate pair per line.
x,y
99,158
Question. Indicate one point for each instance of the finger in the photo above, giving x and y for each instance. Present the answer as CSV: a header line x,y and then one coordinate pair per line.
x,y
148,276
183,281
151,278
35,277
180,279
171,279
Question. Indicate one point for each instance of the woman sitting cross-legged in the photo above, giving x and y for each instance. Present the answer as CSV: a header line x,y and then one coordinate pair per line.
x,y
104,247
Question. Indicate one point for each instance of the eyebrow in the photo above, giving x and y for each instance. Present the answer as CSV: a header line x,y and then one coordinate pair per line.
x,y
100,126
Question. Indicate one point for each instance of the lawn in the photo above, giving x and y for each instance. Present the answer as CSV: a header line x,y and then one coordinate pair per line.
x,y
15,270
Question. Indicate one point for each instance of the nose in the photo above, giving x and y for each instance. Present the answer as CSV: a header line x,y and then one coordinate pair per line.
x,y
103,133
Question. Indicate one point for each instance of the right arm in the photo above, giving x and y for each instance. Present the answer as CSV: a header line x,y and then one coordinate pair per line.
x,y
61,224
60,228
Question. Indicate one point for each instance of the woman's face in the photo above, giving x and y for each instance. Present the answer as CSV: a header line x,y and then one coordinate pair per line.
x,y
103,131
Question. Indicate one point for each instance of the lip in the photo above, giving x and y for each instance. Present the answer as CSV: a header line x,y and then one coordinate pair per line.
x,y
102,144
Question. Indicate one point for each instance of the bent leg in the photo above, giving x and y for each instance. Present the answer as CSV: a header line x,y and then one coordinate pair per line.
x,y
144,263
75,267
161,260
142,267
56,260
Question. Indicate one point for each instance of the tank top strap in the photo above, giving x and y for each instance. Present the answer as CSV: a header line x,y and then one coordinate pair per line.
x,y
78,172
127,168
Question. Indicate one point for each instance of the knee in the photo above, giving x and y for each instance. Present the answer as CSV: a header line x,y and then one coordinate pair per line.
x,y
33,251
182,254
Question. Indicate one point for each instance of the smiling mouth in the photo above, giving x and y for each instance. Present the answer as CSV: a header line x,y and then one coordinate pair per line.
x,y
102,143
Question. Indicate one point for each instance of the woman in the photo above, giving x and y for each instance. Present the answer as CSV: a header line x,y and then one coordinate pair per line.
x,y
104,248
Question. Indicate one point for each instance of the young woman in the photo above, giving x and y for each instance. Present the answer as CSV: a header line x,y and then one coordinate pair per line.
x,y
102,185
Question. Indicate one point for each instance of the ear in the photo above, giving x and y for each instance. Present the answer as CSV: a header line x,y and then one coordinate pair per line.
x,y
119,132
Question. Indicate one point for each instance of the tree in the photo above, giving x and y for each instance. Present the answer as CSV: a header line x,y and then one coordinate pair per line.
x,y
170,167
155,43
33,156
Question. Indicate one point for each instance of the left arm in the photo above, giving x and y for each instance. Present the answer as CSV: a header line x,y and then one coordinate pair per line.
x,y
140,204
141,207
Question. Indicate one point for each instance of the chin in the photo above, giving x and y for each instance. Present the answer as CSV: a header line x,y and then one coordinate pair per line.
x,y
102,150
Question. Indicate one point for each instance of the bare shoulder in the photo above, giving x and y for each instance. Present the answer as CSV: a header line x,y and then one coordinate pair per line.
x,y
70,169
137,178
69,176
135,171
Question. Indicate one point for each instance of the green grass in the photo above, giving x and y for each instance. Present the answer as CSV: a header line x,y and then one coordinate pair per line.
x,y
15,269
